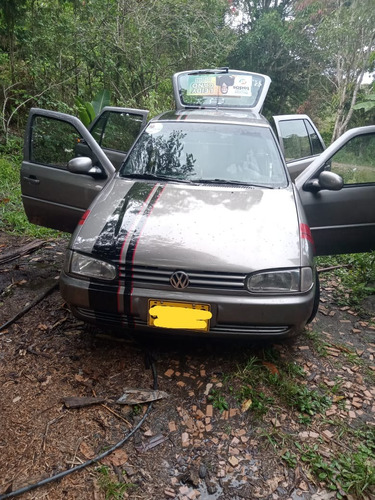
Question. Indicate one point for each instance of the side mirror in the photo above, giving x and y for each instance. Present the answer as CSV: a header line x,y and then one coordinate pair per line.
x,y
83,165
326,180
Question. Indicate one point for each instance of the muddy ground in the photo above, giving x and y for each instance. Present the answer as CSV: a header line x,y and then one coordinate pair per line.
x,y
190,445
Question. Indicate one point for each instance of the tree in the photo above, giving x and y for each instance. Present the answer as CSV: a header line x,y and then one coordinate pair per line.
x,y
273,42
342,32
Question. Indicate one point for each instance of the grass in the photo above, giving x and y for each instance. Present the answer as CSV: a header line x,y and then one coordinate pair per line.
x,y
345,473
258,385
113,489
12,215
266,386
354,277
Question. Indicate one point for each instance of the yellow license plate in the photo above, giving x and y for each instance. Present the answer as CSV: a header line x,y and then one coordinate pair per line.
x,y
179,315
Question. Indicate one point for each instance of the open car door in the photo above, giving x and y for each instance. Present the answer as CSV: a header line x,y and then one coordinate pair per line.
x,y
115,130
300,141
338,194
64,167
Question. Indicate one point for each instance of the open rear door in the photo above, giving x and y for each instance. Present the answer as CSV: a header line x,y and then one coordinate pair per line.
x,y
115,130
300,141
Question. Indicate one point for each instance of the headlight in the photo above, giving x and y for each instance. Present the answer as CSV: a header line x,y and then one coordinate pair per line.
x,y
286,281
91,268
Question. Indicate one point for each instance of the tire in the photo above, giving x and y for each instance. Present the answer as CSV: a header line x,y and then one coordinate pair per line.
x,y
316,298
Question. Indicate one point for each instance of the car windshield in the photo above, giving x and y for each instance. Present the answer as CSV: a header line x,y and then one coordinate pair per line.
x,y
206,152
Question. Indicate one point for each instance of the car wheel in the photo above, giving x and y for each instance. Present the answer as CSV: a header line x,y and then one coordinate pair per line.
x,y
316,298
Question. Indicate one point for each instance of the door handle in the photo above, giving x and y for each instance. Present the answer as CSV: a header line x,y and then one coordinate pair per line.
x,y
32,179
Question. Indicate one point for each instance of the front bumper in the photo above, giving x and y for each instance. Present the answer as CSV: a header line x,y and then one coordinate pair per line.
x,y
233,314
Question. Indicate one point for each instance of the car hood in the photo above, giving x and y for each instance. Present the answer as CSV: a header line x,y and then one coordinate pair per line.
x,y
196,227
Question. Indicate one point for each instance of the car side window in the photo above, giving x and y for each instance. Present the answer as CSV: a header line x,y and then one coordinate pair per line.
x,y
299,139
355,161
117,130
53,142
316,145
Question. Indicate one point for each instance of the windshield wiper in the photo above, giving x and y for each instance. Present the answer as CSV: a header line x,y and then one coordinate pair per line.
x,y
229,181
154,177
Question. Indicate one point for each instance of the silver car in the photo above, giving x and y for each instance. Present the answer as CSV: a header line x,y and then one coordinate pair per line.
x,y
197,226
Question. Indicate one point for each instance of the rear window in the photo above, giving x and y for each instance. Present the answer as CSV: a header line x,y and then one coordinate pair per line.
x,y
194,151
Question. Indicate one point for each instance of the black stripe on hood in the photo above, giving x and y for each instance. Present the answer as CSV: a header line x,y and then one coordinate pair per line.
x,y
131,252
103,297
110,241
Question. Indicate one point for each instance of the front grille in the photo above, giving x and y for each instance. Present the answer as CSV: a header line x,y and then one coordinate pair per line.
x,y
111,319
145,275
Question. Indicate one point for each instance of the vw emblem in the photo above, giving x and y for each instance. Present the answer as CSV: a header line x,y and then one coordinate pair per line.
x,y
179,279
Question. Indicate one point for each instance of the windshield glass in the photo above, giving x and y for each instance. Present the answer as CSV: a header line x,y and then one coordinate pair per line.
x,y
206,151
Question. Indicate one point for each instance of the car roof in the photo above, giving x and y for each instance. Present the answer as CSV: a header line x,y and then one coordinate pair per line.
x,y
224,116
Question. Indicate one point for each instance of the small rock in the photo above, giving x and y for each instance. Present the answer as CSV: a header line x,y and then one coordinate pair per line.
x,y
211,487
169,493
202,471
233,461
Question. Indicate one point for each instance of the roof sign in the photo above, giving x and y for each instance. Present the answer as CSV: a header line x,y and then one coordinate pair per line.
x,y
220,88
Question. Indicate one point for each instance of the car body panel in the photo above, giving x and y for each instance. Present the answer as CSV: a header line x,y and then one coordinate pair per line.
x,y
193,230
233,314
300,141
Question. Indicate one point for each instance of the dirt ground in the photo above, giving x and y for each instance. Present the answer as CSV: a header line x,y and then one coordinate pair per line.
x,y
188,447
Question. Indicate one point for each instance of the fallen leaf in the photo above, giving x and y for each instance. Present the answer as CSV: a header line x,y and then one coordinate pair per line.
x,y
246,405
151,443
338,398
139,396
271,367
86,450
117,458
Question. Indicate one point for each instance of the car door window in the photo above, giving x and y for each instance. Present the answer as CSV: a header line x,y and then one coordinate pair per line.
x,y
299,139
295,139
316,145
355,162
54,142
117,130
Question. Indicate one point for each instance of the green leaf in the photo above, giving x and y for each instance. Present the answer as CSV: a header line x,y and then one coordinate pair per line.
x,y
102,99
366,106
85,110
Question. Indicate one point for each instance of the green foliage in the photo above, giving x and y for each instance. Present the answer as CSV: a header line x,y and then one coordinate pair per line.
x,y
113,489
55,51
86,111
270,47
351,473
218,400
366,105
89,110
355,276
